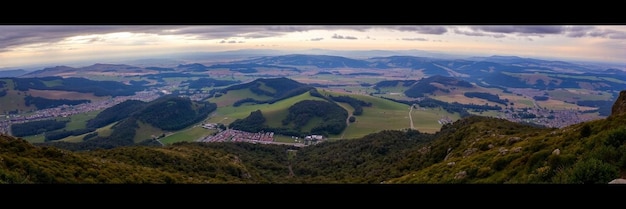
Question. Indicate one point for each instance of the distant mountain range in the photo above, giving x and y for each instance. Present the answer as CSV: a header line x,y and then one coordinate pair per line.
x,y
494,71
245,54
12,73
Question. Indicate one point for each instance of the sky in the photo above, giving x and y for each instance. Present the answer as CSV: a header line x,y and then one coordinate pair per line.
x,y
27,45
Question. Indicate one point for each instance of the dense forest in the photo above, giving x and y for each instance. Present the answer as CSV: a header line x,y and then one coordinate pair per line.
x,y
83,85
168,112
255,122
355,103
277,88
36,127
171,112
44,103
333,117
424,86
115,113
299,115
487,96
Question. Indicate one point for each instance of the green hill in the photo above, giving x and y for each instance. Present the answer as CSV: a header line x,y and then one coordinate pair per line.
x,y
472,150
24,163
136,122
261,91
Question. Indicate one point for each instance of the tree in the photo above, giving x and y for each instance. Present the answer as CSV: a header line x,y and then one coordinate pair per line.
x,y
352,119
585,131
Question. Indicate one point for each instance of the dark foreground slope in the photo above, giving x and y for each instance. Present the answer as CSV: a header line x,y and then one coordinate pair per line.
x,y
487,150
21,162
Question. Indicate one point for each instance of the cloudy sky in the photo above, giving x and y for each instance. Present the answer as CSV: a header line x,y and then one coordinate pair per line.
x,y
23,45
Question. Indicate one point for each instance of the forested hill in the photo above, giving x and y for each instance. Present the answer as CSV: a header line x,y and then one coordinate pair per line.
x,y
472,150
98,88
431,84
129,118
276,88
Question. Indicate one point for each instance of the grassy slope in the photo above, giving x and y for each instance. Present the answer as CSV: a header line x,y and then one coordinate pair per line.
x,y
102,132
234,95
274,113
13,99
146,131
188,134
77,121
388,115
489,153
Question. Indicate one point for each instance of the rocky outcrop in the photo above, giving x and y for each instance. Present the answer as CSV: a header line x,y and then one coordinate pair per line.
x,y
619,107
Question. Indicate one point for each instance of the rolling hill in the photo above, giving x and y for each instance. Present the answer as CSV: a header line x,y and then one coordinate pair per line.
x,y
472,150
320,61
136,122
28,94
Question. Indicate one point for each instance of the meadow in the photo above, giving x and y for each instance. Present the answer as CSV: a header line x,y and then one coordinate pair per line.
x,y
274,113
189,134
389,115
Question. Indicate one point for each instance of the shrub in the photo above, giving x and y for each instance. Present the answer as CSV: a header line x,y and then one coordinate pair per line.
x,y
593,171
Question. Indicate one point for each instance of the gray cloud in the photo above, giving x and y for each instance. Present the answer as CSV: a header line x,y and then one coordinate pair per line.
x,y
469,33
568,31
414,39
14,35
519,29
343,37
317,39
477,33
578,31
230,42
592,31
17,35
437,30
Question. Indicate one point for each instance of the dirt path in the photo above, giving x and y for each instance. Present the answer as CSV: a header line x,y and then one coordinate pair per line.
x,y
347,124
410,116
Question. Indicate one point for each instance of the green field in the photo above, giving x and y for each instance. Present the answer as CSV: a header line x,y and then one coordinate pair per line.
x,y
388,115
426,120
102,132
613,80
283,138
593,78
13,100
53,83
272,112
146,131
526,102
79,121
266,88
39,138
235,95
190,134
578,94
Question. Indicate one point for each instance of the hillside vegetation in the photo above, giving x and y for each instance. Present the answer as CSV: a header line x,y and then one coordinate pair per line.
x,y
472,150
137,122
